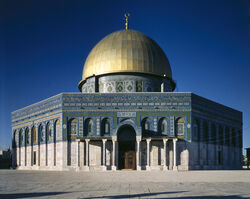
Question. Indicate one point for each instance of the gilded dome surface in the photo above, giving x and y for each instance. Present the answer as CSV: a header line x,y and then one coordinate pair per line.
x,y
126,51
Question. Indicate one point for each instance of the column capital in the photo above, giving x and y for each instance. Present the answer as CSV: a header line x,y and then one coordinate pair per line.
x,y
138,139
165,140
175,139
78,140
114,139
87,140
148,140
104,140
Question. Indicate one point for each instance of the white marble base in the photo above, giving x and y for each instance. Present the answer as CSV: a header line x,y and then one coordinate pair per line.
x,y
85,168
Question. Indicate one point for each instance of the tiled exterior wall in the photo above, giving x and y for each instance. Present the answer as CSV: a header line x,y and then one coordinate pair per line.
x,y
193,150
126,84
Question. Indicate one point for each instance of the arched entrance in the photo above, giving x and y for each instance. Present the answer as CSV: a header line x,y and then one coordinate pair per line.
x,y
126,145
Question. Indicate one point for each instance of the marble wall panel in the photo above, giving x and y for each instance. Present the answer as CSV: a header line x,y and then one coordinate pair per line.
x,y
95,155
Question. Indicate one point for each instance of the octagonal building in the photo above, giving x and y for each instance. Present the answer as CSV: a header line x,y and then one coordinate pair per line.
x,y
127,116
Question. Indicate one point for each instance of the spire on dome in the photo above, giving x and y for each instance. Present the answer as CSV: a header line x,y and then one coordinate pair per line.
x,y
127,15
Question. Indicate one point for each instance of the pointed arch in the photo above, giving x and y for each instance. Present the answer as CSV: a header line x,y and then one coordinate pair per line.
x,y
56,130
227,136
213,134
20,144
105,127
163,126
72,127
220,135
88,127
196,134
21,138
145,125
205,132
56,137
179,126
33,135
233,137
48,132
27,136
41,135
14,139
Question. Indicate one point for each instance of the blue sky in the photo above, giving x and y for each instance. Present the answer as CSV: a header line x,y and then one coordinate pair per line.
x,y
43,46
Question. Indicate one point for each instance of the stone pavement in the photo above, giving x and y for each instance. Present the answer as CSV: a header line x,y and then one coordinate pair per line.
x,y
125,184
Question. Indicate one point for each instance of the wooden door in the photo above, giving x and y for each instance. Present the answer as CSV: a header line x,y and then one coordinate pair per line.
x,y
130,160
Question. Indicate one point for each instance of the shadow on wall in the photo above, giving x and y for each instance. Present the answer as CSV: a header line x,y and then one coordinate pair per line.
x,y
157,194
29,195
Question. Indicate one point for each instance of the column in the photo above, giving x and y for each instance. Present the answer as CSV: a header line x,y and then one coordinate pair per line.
x,y
148,154
17,148
116,154
25,147
45,145
138,166
77,155
165,167
174,151
86,167
31,146
52,146
38,147
104,154
113,154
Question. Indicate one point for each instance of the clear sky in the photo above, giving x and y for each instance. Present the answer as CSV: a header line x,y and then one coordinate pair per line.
x,y
43,46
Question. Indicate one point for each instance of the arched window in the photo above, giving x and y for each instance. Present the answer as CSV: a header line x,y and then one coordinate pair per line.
x,y
33,133
163,126
14,138
21,138
27,136
145,124
227,137
205,132
233,137
105,127
213,134
89,127
73,127
179,126
240,138
56,129
49,131
41,133
195,134
220,135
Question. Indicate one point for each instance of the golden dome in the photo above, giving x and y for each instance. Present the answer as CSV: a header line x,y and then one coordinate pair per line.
x,y
126,51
